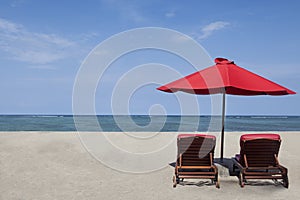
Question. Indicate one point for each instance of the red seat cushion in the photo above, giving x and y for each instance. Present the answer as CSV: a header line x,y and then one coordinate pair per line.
x,y
270,136
195,135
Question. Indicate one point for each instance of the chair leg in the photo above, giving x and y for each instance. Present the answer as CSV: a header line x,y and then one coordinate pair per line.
x,y
174,181
241,180
286,181
217,182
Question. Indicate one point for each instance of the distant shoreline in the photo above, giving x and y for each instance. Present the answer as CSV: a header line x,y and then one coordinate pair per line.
x,y
171,115
146,123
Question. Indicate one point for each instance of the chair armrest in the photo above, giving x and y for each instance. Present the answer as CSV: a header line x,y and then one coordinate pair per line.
x,y
211,159
283,169
180,160
236,162
245,160
215,168
276,159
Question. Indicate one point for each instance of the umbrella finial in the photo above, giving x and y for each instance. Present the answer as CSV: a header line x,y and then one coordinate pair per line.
x,y
223,61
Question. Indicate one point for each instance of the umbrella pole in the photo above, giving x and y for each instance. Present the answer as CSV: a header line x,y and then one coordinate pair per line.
x,y
223,125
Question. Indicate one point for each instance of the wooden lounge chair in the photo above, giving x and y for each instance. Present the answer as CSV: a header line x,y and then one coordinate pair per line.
x,y
258,159
195,158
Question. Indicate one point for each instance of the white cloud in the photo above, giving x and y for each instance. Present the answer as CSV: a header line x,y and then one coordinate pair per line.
x,y
9,27
37,57
31,47
17,3
48,67
133,14
88,36
180,38
126,9
207,30
170,14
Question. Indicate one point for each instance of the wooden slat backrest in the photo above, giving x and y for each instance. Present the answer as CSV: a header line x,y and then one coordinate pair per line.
x,y
259,152
195,151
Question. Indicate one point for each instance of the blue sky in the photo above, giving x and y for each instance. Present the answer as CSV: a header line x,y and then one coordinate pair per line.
x,y
43,43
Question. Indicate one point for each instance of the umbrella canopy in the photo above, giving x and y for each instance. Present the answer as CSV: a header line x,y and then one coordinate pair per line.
x,y
225,78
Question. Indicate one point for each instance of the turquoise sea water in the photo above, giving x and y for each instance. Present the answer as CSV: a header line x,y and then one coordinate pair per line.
x,y
147,123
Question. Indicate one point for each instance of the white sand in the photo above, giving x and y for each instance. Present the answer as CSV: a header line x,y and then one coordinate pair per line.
x,y
55,165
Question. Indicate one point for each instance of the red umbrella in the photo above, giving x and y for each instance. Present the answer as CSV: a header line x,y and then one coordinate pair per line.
x,y
225,78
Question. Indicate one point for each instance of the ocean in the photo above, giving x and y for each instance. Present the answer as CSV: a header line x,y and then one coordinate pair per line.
x,y
147,123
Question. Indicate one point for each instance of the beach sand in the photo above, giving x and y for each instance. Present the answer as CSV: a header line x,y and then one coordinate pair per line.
x,y
55,165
